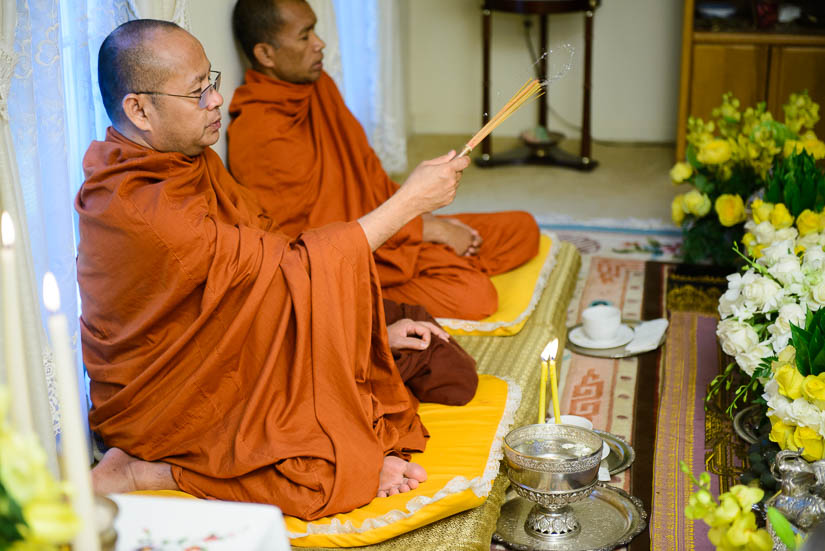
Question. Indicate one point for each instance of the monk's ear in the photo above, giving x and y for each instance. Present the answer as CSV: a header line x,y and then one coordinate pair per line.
x,y
134,108
264,54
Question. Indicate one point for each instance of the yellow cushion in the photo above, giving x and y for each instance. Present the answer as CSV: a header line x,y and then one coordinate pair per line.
x,y
462,460
519,291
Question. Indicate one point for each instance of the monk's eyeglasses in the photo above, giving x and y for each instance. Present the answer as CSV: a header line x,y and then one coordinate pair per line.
x,y
203,98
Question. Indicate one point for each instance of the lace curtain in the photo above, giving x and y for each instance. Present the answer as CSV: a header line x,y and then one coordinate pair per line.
x,y
50,110
369,35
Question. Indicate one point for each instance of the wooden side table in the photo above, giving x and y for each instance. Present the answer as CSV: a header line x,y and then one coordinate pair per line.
x,y
548,154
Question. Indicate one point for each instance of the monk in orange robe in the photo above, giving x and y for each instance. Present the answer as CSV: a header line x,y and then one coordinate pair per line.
x,y
227,359
293,141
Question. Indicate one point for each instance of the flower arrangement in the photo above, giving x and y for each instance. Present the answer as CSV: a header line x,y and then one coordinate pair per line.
x,y
35,514
728,161
730,517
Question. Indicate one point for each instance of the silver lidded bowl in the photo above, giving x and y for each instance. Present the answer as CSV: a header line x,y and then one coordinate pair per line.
x,y
552,466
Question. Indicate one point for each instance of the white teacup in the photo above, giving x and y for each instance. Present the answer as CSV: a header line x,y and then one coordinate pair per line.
x,y
601,322
575,420
582,422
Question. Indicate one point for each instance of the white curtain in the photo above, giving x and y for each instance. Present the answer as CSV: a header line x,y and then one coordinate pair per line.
x,y
327,29
369,35
12,200
176,11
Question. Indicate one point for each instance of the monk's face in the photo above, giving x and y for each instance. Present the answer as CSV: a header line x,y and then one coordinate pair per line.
x,y
298,56
179,123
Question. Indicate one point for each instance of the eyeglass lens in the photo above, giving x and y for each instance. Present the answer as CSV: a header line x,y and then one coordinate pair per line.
x,y
214,85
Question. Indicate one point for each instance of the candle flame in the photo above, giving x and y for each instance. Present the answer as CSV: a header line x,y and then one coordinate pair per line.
x,y
7,229
51,293
549,352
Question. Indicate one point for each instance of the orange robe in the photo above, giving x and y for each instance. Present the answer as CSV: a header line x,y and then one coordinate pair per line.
x,y
256,365
308,160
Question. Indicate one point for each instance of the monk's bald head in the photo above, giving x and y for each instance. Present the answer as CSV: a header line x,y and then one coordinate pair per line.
x,y
132,59
256,21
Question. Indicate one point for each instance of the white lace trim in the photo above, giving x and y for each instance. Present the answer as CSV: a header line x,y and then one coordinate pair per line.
x,y
7,60
480,485
541,283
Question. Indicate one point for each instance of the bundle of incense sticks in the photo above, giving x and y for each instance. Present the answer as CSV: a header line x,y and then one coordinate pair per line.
x,y
532,89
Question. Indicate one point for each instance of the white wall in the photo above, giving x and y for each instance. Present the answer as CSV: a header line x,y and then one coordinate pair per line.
x,y
211,23
635,66
636,53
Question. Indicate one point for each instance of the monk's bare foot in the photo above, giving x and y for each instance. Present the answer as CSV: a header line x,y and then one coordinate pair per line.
x,y
119,472
399,476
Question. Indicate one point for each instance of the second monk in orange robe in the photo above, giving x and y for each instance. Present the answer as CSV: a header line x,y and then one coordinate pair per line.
x,y
295,143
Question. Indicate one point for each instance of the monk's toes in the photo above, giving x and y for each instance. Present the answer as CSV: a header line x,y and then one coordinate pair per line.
x,y
382,493
416,472
412,483
393,491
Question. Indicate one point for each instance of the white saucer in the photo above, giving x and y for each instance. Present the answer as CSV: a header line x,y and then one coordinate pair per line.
x,y
623,336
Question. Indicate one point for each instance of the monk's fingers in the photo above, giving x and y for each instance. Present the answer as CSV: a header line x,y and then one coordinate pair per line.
x,y
411,343
436,330
441,159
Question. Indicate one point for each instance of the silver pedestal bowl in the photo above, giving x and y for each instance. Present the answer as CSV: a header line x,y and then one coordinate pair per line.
x,y
552,466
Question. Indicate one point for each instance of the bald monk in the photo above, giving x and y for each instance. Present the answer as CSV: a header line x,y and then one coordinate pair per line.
x,y
227,359
293,142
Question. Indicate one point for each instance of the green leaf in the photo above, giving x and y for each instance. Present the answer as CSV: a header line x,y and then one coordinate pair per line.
x,y
690,155
703,184
782,528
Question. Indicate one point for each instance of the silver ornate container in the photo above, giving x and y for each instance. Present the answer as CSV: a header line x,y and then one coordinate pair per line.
x,y
552,466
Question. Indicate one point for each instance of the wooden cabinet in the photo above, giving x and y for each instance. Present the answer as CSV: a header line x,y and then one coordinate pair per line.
x,y
755,66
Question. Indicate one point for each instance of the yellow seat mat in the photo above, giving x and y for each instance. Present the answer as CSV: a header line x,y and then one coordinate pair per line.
x,y
518,290
462,460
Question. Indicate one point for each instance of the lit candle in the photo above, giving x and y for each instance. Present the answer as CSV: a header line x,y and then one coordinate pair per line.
x,y
75,457
554,390
15,356
543,393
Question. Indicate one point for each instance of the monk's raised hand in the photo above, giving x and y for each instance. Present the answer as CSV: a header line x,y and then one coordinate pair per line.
x,y
433,183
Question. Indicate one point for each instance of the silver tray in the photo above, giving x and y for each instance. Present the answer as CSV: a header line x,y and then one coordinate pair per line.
x,y
610,518
613,353
621,455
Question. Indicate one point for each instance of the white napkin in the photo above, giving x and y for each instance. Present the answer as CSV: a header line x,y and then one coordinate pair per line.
x,y
604,473
647,336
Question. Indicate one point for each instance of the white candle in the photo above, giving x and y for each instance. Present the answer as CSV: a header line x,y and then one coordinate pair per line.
x,y
13,332
75,458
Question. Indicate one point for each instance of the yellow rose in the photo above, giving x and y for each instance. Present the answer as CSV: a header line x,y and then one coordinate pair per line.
x,y
761,210
680,172
730,208
792,147
781,433
780,217
696,203
815,147
813,389
808,438
51,522
677,213
715,152
788,355
807,222
790,381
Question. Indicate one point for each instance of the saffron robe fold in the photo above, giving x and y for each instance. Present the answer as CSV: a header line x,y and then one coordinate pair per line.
x,y
307,158
256,365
